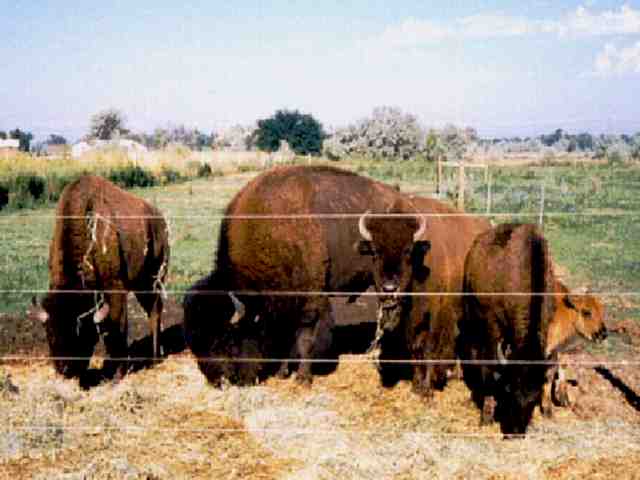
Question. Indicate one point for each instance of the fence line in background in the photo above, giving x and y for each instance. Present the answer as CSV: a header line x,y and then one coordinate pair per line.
x,y
329,216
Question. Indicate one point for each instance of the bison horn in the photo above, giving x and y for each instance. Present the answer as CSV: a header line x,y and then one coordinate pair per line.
x,y
36,312
501,358
422,227
362,226
239,309
101,313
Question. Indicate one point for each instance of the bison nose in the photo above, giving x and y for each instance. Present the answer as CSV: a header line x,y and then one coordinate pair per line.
x,y
602,334
389,287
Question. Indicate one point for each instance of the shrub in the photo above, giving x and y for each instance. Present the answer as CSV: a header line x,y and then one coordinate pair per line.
x,y
204,170
170,175
132,176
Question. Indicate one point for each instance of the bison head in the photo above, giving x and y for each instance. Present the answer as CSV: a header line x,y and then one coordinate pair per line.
x,y
589,315
397,246
519,391
71,336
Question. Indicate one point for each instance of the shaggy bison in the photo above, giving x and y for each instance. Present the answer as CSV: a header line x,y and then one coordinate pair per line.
x,y
509,305
287,241
106,242
576,315
418,246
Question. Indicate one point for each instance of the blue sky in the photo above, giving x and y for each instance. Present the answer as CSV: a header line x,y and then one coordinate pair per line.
x,y
503,67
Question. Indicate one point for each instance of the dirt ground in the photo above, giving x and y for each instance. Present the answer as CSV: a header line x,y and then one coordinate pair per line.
x,y
166,422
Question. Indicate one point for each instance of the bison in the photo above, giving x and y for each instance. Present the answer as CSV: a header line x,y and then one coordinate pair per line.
x,y
418,246
106,242
285,246
576,315
509,304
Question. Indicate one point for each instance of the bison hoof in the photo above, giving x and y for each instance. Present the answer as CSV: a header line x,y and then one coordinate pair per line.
x,y
423,391
303,380
283,371
562,396
546,410
488,411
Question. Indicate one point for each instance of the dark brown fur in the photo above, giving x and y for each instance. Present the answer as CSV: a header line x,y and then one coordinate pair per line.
x,y
508,259
427,326
127,254
308,254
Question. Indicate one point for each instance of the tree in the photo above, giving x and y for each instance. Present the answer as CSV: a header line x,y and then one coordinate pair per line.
x,y
303,133
387,133
56,140
3,135
107,124
24,138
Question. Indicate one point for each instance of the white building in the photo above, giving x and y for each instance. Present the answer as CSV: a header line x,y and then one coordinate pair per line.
x,y
130,147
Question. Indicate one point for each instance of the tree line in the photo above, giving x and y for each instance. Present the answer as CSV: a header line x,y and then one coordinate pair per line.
x,y
388,133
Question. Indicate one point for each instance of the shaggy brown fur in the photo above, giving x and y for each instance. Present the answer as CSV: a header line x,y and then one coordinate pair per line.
x,y
422,327
305,254
576,315
102,243
508,259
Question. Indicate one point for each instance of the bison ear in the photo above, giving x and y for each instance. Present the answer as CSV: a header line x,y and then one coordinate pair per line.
x,y
364,247
420,270
420,249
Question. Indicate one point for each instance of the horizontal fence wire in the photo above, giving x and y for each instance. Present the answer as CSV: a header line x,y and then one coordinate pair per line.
x,y
303,293
364,359
596,432
327,216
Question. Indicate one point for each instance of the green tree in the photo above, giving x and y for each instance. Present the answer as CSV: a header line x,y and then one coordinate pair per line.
x,y
3,135
107,124
55,139
24,138
303,133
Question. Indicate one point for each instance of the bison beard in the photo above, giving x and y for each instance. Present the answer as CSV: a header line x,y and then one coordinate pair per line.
x,y
274,256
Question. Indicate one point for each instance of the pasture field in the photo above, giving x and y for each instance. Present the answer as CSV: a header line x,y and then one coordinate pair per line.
x,y
165,422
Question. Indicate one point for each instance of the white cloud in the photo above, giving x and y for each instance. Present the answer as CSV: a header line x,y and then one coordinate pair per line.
x,y
583,21
618,61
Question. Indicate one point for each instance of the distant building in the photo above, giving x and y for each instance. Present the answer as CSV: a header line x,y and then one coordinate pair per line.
x,y
130,147
57,151
9,146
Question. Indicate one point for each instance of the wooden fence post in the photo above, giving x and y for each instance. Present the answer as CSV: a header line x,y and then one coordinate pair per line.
x,y
489,193
439,176
461,185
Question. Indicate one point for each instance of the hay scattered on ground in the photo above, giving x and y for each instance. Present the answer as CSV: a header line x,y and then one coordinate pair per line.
x,y
166,422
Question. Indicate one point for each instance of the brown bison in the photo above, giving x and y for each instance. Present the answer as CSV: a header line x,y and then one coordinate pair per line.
x,y
287,239
509,305
576,315
106,242
419,246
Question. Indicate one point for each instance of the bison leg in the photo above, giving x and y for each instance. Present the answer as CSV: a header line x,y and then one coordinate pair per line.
x,y
152,304
561,389
115,339
546,404
313,319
